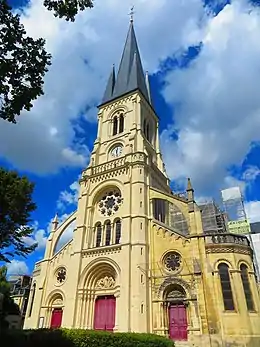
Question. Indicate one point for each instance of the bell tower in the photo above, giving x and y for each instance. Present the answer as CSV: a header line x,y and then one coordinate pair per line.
x,y
127,122
114,209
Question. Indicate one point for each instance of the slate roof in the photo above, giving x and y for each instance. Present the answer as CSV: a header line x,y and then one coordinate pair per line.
x,y
130,74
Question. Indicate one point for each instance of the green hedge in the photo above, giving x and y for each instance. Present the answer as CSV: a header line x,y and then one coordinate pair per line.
x,y
82,338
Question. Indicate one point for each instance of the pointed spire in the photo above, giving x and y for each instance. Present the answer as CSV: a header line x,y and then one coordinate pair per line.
x,y
189,186
147,82
55,222
130,75
108,95
190,193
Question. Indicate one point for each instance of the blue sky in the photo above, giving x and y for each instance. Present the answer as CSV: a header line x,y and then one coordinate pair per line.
x,y
203,60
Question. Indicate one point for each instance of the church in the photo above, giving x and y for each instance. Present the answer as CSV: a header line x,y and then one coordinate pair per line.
x,y
142,258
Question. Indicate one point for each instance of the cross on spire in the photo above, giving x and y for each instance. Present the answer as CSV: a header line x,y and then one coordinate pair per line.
x,y
131,14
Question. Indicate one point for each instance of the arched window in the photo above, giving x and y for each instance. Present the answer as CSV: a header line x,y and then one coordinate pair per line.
x,y
148,132
121,123
226,287
108,233
32,299
118,231
246,286
98,234
115,125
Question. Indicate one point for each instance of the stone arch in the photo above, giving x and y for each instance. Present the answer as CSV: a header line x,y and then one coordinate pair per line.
x,y
244,262
174,292
56,298
225,261
63,234
169,282
98,269
97,191
120,109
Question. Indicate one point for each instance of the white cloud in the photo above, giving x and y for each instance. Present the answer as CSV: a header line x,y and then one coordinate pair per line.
x,y
83,53
39,236
68,197
217,114
17,267
253,211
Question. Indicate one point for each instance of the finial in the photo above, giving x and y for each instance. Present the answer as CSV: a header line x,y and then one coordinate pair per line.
x,y
131,14
55,222
55,219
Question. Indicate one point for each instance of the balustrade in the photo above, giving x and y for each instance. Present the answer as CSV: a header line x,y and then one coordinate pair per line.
x,y
227,238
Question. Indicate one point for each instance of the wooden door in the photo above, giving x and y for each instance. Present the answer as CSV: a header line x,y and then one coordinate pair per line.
x,y
104,316
56,318
178,322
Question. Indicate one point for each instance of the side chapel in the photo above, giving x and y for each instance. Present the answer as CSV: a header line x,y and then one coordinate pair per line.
x,y
143,259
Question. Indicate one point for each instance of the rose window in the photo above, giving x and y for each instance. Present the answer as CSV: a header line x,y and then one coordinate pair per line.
x,y
172,261
110,203
61,275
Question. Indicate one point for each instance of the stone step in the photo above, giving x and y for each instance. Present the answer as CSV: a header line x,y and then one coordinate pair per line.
x,y
183,344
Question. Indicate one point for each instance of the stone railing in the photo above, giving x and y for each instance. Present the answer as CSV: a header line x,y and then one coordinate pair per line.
x,y
108,166
117,163
227,239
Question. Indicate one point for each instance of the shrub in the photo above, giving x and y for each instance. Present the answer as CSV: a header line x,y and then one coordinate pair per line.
x,y
83,338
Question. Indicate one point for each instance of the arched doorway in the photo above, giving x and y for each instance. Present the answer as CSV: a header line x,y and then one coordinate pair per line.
x,y
56,312
178,326
98,307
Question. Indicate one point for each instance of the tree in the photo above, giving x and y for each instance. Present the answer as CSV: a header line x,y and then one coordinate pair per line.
x,y
16,206
7,304
67,8
23,60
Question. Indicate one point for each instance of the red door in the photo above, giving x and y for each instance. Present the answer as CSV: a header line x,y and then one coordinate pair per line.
x,y
105,308
178,322
56,318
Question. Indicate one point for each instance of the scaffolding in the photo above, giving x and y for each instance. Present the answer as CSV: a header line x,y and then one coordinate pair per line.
x,y
213,218
237,220
177,220
233,204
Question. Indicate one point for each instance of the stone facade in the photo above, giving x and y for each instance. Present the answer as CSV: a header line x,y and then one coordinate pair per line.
x,y
140,244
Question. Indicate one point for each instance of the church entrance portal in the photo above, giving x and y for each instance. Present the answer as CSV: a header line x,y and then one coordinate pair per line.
x,y
175,296
105,309
178,322
56,318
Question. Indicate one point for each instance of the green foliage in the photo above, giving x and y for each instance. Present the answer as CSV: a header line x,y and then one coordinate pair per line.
x,y
7,306
15,208
84,338
23,63
67,9
4,285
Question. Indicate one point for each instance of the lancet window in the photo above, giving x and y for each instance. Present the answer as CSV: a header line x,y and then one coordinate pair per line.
x,y
118,231
246,286
147,130
118,124
107,234
226,287
98,234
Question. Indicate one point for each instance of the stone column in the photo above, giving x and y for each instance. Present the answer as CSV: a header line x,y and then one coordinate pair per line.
x,y
117,296
91,310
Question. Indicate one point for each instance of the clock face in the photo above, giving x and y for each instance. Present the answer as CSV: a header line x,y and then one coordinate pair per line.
x,y
116,151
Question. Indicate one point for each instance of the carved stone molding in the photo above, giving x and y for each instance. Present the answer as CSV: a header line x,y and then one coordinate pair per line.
x,y
222,249
106,282
57,302
101,251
